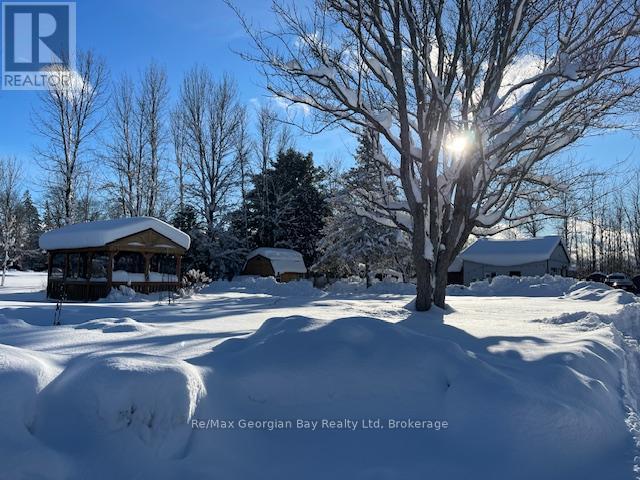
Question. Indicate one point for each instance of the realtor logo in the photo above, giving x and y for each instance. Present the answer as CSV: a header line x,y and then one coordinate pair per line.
x,y
38,44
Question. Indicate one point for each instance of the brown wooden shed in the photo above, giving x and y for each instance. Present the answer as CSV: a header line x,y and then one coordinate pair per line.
x,y
282,263
87,260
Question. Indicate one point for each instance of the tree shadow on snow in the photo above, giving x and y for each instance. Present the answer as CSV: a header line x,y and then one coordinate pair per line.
x,y
543,360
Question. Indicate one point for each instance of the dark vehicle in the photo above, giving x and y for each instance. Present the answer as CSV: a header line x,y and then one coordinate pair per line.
x,y
619,280
636,282
597,277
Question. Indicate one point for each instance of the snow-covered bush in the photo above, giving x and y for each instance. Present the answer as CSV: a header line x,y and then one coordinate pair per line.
x,y
193,281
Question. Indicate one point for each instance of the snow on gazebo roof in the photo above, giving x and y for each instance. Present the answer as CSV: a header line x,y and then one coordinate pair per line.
x,y
283,260
502,253
103,232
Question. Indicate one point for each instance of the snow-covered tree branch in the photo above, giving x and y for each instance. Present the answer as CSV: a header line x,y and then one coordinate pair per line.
x,y
467,97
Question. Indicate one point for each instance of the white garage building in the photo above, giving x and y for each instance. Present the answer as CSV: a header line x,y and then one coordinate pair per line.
x,y
488,257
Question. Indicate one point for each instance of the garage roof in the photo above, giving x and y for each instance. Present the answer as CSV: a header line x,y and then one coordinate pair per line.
x,y
502,253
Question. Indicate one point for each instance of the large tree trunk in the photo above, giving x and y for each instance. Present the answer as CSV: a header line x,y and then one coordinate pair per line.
x,y
367,273
440,290
424,289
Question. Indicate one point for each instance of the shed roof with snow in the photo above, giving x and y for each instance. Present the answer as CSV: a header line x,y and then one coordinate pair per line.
x,y
283,260
104,232
500,252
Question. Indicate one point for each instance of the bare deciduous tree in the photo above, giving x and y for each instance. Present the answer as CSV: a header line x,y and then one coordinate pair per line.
x,y
138,137
632,213
155,96
67,118
124,151
212,118
243,156
467,96
10,176
178,139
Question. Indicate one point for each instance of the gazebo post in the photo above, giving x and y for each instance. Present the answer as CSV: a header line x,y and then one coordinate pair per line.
x,y
179,269
147,262
49,269
110,272
87,272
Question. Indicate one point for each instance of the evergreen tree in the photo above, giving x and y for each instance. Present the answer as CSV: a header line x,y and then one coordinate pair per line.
x,y
293,215
186,219
29,220
217,252
351,238
48,218
29,229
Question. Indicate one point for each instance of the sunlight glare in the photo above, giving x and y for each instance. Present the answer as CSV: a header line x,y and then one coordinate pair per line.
x,y
457,143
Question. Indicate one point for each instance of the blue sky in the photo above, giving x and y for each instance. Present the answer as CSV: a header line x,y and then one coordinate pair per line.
x,y
178,34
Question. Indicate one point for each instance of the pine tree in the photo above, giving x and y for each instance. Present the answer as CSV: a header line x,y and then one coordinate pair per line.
x,y
29,230
351,238
218,251
293,215
186,219
48,221
29,219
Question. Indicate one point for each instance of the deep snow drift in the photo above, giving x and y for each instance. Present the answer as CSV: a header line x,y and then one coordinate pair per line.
x,y
545,286
529,388
503,414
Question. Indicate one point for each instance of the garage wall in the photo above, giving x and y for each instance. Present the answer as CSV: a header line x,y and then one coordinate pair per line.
x,y
559,262
478,271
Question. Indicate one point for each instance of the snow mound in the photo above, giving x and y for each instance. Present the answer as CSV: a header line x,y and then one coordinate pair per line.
x,y
346,286
585,320
627,321
23,375
599,292
392,288
265,286
12,322
625,330
352,286
115,325
545,286
504,286
363,368
124,294
111,402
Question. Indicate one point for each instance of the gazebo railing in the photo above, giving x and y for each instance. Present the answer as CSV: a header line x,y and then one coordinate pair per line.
x,y
82,290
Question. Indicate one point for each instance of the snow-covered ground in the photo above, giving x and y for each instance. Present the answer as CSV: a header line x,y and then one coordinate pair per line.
x,y
542,386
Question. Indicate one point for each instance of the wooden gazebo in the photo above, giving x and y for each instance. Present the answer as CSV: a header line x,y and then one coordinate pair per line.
x,y
87,260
